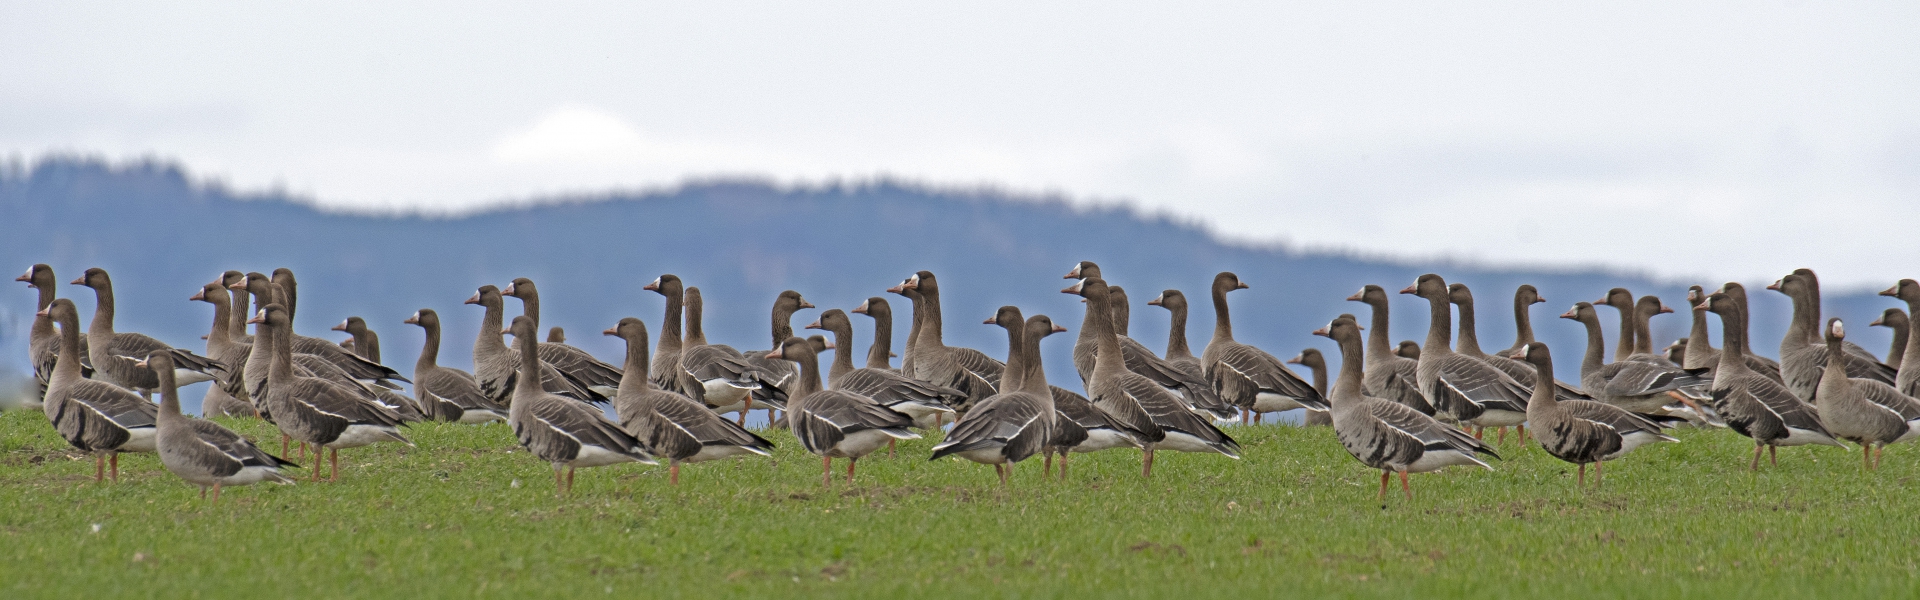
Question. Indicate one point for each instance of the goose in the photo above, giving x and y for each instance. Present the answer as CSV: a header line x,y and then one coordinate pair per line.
x,y
1469,345
1246,376
964,369
1752,404
496,367
1460,388
1128,396
836,423
1012,425
1078,425
1676,353
446,393
200,451
1696,350
230,398
666,352
556,335
96,417
113,353
238,306
1644,310
784,305
560,430
1524,297
925,402
1768,367
1802,361
1389,374
1317,366
1863,411
1192,384
1908,379
880,355
576,363
1876,368
1641,387
325,413
364,343
720,376
1387,435
265,291
673,426
43,345
916,317
1407,349
1622,301
1581,431
1896,320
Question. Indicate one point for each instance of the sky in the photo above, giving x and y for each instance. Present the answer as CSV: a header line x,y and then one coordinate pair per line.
x,y
1727,140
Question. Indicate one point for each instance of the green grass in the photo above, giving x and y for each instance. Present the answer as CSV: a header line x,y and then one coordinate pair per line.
x,y
469,514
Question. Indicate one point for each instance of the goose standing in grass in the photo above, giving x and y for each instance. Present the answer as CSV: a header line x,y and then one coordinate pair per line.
x,y
1468,345
1246,376
201,451
1908,378
880,355
445,393
496,367
1012,425
1129,396
719,376
925,402
1863,411
1803,358
1317,366
327,414
1581,431
1875,369
1387,435
576,363
784,373
1752,404
114,353
1179,355
834,423
1390,374
563,432
1767,367
936,362
1895,319
670,425
96,417
228,397
1639,386
43,345
1459,388
1192,384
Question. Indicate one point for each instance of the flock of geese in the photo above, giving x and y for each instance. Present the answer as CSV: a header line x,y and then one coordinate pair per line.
x,y
1405,408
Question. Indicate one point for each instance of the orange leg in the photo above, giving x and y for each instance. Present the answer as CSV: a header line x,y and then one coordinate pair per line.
x,y
114,461
890,442
1599,473
1755,466
557,487
1257,416
1866,456
1049,461
216,492
1384,474
744,411
99,468
1001,470
1147,466
1063,465
284,440
850,463
1521,430
1246,417
1403,485
826,471
1583,476
674,473
336,467
1877,452
1773,455
569,480
1502,437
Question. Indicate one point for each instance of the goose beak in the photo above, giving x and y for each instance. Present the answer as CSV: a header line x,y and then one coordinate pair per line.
x,y
27,277
1075,288
82,280
341,327
897,289
777,353
413,320
1155,301
1775,286
1074,274
1537,299
474,300
1664,309
238,285
1059,329
1520,354
1875,323
142,363
1703,305
257,319
1601,302
990,321
1571,314
44,312
893,355
198,296
861,309
508,291
1892,291
615,330
1297,359
1242,285
1323,332
830,345
806,304
814,325
652,287
1357,296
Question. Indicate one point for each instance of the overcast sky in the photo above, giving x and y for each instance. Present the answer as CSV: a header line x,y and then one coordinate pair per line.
x,y
1719,140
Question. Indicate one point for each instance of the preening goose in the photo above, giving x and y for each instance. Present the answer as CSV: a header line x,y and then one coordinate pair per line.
x,y
1908,378
934,361
1246,376
1752,404
1012,425
880,355
1317,366
43,345
1895,319
1387,435
201,451
446,393
927,403
1389,375
835,423
496,367
718,375
1460,388
1803,360
671,425
1638,386
325,413
1469,345
96,417
1128,396
1863,411
228,398
559,430
1581,431
576,363
1192,385
113,353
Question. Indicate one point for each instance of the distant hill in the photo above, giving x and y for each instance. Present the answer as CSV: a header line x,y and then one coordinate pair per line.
x,y
162,234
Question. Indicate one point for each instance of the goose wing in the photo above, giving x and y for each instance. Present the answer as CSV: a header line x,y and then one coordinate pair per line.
x,y
455,386
1463,379
1014,422
228,453
557,429
100,416
581,365
678,427
1171,415
1429,432
890,388
831,415
1187,378
1263,373
1637,378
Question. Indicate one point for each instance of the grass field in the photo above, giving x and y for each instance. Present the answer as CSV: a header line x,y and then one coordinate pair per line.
x,y
469,514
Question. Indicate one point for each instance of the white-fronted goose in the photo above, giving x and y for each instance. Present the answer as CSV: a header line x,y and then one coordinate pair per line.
x,y
1124,394
364,343
1863,411
269,291
96,417
880,355
1907,380
1896,320
1696,350
1317,366
43,345
228,398
1068,435
836,423
1880,370
671,425
666,352
1803,360
1460,388
1010,426
1468,344
576,363
1192,385
1387,435
1644,310
719,376
556,335
1768,367
1389,375
446,393
1639,386
495,366
1752,404
934,361
927,403
1524,297
559,430
201,451
1622,301
1581,431
916,320
1407,349
1676,353
114,353
1246,376
785,374
327,414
